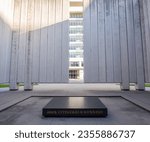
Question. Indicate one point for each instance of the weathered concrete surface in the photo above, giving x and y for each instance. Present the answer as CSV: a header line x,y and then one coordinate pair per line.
x,y
141,98
27,106
8,98
30,112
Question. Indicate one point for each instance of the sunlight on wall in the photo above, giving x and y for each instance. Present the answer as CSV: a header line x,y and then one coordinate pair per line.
x,y
37,14
6,11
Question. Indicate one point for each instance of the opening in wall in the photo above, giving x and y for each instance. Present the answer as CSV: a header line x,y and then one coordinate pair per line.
x,y
76,68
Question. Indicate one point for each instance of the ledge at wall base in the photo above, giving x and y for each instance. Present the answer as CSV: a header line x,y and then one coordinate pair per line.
x,y
125,89
13,89
28,89
140,89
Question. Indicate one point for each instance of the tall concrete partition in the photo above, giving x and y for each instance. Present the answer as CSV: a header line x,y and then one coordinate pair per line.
x,y
145,22
34,45
34,42
113,45
6,14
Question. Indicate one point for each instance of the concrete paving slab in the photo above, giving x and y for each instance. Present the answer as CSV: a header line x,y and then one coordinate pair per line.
x,y
43,93
8,99
120,111
142,100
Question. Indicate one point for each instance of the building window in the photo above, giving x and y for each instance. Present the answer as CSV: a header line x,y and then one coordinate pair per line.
x,y
76,15
82,64
74,64
76,30
76,23
76,47
76,39
76,55
73,74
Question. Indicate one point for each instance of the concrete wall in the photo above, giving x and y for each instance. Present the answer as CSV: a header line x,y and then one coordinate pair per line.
x,y
34,44
6,14
113,49
145,22
39,43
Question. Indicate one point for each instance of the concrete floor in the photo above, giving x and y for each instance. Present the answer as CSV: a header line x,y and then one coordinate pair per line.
x,y
24,108
30,110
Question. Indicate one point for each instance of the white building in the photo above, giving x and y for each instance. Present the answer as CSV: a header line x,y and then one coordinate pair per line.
x,y
76,40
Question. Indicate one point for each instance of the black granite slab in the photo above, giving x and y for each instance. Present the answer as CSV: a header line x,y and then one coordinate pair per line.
x,y
75,107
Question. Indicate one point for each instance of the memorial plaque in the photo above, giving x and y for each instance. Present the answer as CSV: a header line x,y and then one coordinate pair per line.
x,y
75,107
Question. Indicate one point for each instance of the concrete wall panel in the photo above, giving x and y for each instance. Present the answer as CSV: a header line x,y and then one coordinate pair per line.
x,y
117,33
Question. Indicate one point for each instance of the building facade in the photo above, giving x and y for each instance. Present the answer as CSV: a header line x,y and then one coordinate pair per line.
x,y
76,40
